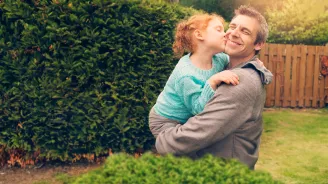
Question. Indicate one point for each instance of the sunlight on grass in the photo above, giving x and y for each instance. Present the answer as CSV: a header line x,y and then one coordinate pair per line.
x,y
294,146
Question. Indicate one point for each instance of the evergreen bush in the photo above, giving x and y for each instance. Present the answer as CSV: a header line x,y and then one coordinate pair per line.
x,y
295,23
148,168
81,76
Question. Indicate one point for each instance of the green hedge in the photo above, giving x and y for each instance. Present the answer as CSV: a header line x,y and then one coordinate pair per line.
x,y
150,169
81,76
225,8
296,23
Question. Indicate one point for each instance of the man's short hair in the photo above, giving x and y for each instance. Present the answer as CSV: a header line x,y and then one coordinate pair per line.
x,y
263,32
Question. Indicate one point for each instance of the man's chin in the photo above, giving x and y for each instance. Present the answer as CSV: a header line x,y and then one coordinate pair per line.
x,y
229,50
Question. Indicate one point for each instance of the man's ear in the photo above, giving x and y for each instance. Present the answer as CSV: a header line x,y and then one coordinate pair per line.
x,y
259,46
198,34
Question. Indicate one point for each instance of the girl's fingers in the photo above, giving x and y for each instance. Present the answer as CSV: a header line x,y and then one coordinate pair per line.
x,y
226,80
237,81
234,81
235,76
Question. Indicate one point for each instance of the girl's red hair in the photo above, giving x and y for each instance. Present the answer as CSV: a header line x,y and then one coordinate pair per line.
x,y
183,41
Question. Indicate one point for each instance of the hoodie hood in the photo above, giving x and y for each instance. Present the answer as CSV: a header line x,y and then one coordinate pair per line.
x,y
266,75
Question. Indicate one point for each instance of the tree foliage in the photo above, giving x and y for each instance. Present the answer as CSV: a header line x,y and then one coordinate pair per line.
x,y
226,8
294,24
222,7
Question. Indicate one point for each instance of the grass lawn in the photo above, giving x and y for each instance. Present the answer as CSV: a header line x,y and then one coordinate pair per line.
x,y
294,147
294,150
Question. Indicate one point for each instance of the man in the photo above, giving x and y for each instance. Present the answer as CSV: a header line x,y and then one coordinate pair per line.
x,y
231,124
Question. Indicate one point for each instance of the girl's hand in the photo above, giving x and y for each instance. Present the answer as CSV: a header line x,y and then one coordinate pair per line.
x,y
225,76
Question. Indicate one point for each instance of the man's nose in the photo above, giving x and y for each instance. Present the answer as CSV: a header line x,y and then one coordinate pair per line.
x,y
234,32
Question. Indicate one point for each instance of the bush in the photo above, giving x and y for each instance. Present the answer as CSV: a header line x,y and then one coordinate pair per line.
x,y
81,76
148,168
294,24
225,8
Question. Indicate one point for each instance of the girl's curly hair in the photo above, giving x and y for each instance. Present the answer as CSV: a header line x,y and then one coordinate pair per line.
x,y
183,41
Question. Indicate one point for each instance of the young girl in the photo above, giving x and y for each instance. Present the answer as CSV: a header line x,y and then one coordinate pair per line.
x,y
197,74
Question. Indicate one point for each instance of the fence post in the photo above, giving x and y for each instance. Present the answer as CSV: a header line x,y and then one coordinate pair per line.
x,y
302,65
309,75
272,68
325,94
279,75
266,58
316,77
294,76
287,82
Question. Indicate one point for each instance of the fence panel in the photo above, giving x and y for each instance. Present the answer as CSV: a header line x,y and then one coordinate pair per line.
x,y
297,80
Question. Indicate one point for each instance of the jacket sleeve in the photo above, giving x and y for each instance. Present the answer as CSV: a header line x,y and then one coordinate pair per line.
x,y
193,94
230,107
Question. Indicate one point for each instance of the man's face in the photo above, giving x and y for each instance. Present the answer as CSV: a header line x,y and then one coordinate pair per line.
x,y
241,37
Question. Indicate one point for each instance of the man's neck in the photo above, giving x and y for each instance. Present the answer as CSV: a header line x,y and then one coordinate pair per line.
x,y
235,61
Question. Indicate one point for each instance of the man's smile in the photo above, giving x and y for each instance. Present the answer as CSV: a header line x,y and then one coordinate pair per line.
x,y
233,43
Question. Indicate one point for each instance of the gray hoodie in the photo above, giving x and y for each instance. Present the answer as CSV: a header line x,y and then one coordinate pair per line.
x,y
230,125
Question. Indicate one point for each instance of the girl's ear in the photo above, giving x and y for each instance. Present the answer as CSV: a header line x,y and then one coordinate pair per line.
x,y
198,34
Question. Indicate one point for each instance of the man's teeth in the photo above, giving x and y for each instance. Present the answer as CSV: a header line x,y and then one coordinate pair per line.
x,y
234,43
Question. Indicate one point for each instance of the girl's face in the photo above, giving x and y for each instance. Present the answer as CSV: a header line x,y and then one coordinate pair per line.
x,y
214,36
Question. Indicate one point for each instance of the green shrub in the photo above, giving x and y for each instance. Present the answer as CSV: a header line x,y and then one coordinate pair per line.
x,y
295,23
224,8
81,76
122,168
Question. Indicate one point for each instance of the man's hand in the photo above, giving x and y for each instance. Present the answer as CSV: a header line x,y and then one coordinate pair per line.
x,y
225,76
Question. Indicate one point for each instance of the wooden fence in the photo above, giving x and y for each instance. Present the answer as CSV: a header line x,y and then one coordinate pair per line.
x,y
297,80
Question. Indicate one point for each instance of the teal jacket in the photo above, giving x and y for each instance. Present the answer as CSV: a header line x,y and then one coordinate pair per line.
x,y
186,92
